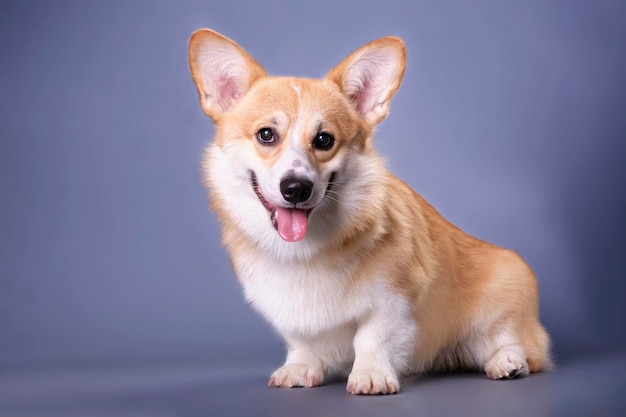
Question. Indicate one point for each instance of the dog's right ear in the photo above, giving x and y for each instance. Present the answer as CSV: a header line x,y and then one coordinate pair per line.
x,y
221,70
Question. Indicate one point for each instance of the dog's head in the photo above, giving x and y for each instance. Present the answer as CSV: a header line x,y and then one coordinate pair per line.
x,y
291,150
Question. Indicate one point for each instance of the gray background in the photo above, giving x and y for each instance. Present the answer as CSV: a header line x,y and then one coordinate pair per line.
x,y
511,121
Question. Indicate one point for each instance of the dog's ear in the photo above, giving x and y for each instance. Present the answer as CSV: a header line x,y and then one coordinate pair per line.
x,y
371,75
221,70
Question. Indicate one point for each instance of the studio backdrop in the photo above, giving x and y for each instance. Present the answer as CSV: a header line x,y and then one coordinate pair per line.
x,y
510,121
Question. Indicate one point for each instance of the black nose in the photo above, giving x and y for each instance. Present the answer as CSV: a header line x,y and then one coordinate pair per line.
x,y
296,190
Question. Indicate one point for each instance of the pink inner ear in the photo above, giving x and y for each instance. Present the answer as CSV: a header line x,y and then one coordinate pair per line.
x,y
229,91
369,78
362,97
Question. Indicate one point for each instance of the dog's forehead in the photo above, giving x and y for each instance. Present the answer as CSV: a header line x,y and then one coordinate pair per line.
x,y
297,95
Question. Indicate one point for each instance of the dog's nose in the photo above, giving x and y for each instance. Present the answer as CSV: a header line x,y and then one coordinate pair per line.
x,y
296,190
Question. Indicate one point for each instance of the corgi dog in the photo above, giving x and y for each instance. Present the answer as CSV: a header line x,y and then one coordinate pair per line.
x,y
354,269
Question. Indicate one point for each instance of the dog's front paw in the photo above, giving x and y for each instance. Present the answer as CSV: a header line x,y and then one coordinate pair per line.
x,y
297,375
506,364
372,382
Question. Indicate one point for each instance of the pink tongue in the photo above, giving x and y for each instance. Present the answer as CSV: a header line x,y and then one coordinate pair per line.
x,y
292,223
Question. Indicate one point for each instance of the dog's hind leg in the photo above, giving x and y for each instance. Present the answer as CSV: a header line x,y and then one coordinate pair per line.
x,y
510,354
508,362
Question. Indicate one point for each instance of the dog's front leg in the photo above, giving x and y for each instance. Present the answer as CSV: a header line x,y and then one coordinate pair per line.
x,y
301,369
381,346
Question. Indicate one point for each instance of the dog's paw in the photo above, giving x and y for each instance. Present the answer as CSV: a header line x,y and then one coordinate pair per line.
x,y
297,375
372,382
506,364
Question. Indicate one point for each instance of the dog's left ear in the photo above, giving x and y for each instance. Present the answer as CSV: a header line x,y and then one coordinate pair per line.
x,y
371,75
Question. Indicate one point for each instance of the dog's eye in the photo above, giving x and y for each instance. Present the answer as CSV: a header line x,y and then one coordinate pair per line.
x,y
266,136
323,141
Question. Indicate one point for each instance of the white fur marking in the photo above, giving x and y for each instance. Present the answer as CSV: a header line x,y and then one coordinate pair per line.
x,y
297,124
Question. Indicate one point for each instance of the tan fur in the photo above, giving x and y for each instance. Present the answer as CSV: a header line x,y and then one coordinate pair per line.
x,y
468,298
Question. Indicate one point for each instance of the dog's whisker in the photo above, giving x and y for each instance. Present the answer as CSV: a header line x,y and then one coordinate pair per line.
x,y
331,193
336,184
328,197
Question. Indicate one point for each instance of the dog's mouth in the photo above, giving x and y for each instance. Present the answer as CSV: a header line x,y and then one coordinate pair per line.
x,y
291,223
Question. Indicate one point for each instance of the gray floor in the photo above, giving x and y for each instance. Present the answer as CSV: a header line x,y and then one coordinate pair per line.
x,y
590,385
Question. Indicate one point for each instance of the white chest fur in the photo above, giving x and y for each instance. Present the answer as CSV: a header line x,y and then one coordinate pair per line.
x,y
305,300
322,306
